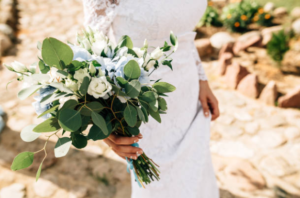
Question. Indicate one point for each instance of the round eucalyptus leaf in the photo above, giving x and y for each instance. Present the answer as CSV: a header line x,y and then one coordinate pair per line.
x,y
23,160
162,104
100,122
163,87
96,133
140,114
62,147
70,104
28,135
132,70
92,106
69,119
130,115
79,141
133,88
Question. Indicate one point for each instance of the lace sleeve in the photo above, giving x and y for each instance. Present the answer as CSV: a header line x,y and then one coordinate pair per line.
x,y
99,14
201,72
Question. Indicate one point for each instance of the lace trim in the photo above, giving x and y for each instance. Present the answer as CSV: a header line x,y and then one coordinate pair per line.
x,y
99,14
201,72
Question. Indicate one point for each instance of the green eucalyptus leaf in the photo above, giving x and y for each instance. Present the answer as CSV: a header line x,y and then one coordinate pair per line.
x,y
49,111
69,119
56,53
100,122
125,41
28,135
121,81
148,96
25,93
62,147
162,104
38,173
92,106
133,88
145,114
96,133
62,73
49,125
130,115
132,70
155,115
43,68
154,105
79,140
133,130
173,39
23,160
84,86
140,114
61,87
70,104
163,87
52,97
85,122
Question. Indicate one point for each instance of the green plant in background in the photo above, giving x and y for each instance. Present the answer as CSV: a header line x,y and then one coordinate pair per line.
x,y
278,46
210,17
263,18
237,16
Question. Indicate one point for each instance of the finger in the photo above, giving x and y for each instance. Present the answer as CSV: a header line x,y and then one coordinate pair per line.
x,y
128,155
214,109
205,106
124,149
140,136
120,140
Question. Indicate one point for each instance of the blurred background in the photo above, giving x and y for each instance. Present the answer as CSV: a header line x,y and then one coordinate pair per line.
x,y
251,54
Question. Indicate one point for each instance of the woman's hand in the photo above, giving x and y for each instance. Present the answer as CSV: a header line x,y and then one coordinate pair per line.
x,y
208,100
122,145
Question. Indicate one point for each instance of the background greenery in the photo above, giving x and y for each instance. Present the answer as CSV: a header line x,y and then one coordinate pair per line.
x,y
289,4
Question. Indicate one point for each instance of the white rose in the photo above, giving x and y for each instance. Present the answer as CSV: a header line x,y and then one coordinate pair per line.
x,y
138,51
86,44
53,75
19,67
98,47
157,53
99,87
151,63
65,99
80,74
71,85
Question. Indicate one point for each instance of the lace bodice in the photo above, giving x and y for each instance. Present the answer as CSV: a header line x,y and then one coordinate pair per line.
x,y
146,19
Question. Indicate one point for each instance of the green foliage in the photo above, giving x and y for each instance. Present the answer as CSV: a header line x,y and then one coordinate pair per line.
x,y
278,46
163,87
132,70
48,125
237,16
23,160
91,107
28,135
25,93
69,119
263,18
130,115
84,86
56,53
97,134
79,140
99,121
210,18
125,41
62,147
133,88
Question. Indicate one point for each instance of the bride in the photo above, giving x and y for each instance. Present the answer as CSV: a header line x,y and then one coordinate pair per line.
x,y
180,145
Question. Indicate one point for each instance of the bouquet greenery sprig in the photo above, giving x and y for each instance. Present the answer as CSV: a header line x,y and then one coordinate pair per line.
x,y
94,83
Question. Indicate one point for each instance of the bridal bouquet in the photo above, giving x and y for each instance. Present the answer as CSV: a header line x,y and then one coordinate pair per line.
x,y
94,83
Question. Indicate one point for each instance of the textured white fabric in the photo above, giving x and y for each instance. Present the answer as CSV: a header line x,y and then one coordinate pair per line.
x,y
180,145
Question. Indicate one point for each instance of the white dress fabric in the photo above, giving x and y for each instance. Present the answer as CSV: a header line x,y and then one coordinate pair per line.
x,y
180,144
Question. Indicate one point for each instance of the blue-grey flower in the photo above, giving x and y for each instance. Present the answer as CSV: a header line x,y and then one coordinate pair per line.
x,y
39,109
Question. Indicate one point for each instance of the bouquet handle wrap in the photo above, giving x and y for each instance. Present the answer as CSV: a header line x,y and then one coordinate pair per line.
x,y
130,166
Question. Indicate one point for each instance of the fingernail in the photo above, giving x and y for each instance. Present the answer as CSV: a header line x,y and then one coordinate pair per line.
x,y
132,136
135,141
206,114
130,157
140,136
135,158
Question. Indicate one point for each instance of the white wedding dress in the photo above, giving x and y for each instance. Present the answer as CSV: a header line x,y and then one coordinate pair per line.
x,y
180,144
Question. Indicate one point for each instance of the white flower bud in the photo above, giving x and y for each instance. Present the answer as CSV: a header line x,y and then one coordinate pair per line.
x,y
99,87
86,44
92,69
19,67
157,53
80,74
139,52
9,67
145,44
98,47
